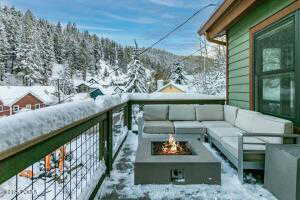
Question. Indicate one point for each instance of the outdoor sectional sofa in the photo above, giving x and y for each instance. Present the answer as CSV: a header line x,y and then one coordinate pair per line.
x,y
241,135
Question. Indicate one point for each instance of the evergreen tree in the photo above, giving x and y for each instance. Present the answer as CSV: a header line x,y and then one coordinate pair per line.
x,y
178,75
138,77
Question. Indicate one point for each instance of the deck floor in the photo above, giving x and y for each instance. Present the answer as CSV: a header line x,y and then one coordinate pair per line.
x,y
120,184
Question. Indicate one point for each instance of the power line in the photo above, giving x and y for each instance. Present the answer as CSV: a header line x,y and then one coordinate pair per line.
x,y
172,31
186,57
177,27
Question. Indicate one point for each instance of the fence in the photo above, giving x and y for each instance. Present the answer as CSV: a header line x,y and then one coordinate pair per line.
x,y
72,162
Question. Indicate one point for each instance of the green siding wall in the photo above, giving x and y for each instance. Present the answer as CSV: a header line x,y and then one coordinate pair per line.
x,y
238,51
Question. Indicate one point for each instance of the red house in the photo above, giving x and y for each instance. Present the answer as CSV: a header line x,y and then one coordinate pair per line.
x,y
14,99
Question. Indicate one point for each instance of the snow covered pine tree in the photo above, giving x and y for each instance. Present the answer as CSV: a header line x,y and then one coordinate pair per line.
x,y
177,75
138,76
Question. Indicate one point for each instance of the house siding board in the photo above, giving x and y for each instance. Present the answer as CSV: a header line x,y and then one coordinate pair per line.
x,y
238,88
238,55
239,48
240,72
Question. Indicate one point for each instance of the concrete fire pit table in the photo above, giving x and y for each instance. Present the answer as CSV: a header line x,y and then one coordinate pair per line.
x,y
199,168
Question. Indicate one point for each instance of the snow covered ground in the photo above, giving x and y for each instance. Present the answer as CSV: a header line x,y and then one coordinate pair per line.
x,y
120,184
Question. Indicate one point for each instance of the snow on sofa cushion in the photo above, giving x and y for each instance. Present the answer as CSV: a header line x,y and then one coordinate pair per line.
x,y
189,127
209,112
158,127
245,120
230,113
156,112
271,125
231,144
182,113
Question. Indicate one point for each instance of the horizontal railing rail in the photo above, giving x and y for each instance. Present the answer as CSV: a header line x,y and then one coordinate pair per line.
x,y
95,134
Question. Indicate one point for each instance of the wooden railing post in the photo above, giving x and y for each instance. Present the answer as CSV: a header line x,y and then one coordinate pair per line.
x,y
108,123
128,115
101,140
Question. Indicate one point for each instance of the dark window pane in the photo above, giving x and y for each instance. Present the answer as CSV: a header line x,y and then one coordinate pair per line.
x,y
274,48
278,94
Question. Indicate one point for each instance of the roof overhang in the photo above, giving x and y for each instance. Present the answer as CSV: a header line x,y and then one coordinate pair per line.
x,y
227,14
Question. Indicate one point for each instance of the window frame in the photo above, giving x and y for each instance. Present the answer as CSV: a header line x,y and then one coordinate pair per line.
x,y
256,83
1,108
28,106
14,108
37,106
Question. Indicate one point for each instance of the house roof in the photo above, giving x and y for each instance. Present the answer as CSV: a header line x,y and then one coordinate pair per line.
x,y
226,15
183,88
11,94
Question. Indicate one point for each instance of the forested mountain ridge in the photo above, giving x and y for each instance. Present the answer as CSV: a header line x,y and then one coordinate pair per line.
x,y
30,46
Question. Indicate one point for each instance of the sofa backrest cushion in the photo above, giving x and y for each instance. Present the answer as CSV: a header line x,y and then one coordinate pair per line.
x,y
212,112
267,124
244,120
182,113
230,113
156,112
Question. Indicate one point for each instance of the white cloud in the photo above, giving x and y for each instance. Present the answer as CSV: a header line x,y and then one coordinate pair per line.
x,y
98,28
139,20
171,3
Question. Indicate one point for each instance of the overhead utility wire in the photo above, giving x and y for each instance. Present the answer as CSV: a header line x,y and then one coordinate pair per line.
x,y
177,27
172,31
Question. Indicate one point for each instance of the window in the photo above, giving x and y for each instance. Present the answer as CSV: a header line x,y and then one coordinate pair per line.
x,y
28,106
274,50
37,106
16,108
1,108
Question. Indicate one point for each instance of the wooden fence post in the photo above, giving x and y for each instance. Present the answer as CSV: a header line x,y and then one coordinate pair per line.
x,y
109,141
101,140
129,115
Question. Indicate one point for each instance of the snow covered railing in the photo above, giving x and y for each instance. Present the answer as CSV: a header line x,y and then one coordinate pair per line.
x,y
59,132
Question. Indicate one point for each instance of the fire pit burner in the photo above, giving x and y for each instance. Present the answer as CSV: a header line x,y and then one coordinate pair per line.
x,y
160,148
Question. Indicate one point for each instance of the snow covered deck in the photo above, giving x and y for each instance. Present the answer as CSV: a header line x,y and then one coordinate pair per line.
x,y
120,184
47,152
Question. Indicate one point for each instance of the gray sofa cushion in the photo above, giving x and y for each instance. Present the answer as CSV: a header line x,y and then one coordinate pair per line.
x,y
216,124
209,113
156,112
158,127
182,113
230,113
218,133
272,125
245,120
189,127
231,144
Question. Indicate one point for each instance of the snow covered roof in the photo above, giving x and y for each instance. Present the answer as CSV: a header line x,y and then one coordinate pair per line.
x,y
184,88
11,94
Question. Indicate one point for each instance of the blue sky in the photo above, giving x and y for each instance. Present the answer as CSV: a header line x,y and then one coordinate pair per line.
x,y
125,20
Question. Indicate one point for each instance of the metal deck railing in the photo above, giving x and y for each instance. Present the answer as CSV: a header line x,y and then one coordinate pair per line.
x,y
72,162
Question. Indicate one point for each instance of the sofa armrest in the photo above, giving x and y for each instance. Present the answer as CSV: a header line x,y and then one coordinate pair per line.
x,y
140,121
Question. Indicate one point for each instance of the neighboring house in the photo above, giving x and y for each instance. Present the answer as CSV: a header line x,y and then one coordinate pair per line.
x,y
14,99
93,81
95,93
172,88
83,88
263,66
